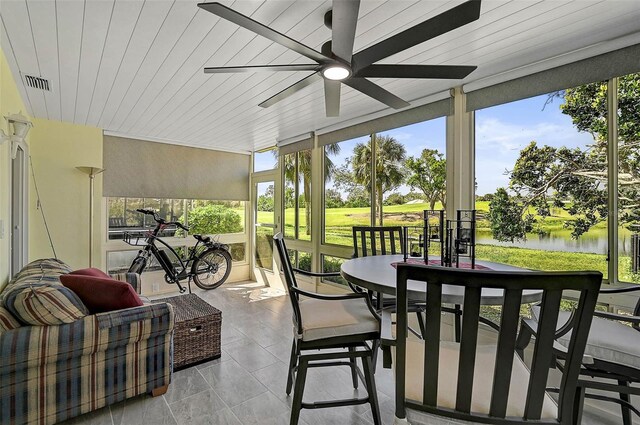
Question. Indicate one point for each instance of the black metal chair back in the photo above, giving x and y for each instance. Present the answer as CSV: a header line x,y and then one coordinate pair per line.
x,y
381,240
552,284
290,279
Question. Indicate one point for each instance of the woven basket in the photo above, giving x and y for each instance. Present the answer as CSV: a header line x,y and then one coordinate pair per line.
x,y
196,336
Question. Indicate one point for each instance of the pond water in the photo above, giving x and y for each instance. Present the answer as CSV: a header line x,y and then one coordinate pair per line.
x,y
594,241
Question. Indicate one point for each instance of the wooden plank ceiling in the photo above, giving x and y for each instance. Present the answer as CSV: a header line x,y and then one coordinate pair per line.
x,y
135,67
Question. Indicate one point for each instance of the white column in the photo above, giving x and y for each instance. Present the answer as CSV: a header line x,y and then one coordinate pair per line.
x,y
460,155
317,185
612,172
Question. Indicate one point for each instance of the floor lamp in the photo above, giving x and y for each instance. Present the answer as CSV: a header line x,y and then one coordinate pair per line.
x,y
92,172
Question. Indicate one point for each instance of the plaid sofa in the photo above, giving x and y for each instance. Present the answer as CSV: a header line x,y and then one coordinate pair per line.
x,y
52,373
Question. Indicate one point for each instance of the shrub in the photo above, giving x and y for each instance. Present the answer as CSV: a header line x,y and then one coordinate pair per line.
x,y
214,219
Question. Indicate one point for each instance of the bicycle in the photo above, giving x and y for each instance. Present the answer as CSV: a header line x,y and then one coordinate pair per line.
x,y
208,264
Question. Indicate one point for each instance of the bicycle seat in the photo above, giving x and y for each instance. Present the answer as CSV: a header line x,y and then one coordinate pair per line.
x,y
203,239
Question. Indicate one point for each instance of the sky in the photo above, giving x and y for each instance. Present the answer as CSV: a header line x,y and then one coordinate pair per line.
x,y
501,132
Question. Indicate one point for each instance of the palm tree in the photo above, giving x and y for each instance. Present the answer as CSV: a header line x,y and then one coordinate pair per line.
x,y
390,156
304,174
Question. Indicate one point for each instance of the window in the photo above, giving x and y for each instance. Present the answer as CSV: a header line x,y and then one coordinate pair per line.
x,y
410,177
296,168
541,182
628,178
347,193
202,216
332,264
300,259
265,160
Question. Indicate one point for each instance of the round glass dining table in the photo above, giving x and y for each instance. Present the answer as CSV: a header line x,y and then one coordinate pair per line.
x,y
378,274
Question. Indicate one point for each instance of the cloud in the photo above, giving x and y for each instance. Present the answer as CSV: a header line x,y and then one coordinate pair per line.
x,y
495,135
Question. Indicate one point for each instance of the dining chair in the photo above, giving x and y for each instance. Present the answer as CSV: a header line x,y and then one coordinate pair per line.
x,y
612,353
487,382
382,240
324,327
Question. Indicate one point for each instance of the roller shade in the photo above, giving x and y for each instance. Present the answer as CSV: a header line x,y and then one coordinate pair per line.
x,y
142,169
422,113
300,145
598,68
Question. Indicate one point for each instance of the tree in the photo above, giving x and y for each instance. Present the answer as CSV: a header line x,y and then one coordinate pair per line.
x,y
333,198
289,197
303,174
390,156
394,199
358,198
428,173
575,179
506,218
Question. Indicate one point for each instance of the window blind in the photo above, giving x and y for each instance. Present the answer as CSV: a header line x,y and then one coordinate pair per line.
x,y
597,68
300,145
143,169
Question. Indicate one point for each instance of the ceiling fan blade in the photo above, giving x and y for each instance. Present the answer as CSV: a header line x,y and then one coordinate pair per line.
x,y
253,68
451,19
376,92
343,27
332,97
291,90
263,30
453,72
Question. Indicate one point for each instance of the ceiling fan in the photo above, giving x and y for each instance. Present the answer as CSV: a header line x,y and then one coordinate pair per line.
x,y
336,64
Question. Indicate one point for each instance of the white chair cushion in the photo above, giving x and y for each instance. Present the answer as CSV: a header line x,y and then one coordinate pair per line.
x,y
608,340
482,380
330,318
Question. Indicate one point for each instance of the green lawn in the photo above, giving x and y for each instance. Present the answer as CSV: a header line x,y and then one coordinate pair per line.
x,y
339,222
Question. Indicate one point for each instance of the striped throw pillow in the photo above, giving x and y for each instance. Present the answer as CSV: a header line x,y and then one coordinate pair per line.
x,y
44,304
7,321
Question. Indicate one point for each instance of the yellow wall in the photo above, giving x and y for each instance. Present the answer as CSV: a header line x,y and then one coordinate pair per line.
x,y
10,103
56,149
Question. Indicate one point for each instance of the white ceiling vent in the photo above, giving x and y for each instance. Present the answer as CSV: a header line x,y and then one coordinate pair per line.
x,y
37,82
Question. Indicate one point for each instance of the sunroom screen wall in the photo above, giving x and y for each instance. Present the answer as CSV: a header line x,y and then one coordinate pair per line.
x,y
598,68
143,169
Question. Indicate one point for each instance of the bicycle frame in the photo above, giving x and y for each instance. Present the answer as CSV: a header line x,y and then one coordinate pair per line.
x,y
172,275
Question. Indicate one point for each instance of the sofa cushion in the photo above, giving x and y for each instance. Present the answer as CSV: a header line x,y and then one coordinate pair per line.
x,y
102,294
41,271
43,304
7,321
92,271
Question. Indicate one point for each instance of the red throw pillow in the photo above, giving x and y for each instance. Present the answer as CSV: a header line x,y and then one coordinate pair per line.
x,y
90,272
102,294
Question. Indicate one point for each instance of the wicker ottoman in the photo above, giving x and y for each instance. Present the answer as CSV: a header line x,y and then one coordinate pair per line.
x,y
196,336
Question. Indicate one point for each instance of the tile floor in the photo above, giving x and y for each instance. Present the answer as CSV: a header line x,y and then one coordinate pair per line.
x,y
246,385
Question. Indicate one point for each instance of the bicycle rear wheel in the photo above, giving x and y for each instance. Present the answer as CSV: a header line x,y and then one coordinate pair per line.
x,y
212,268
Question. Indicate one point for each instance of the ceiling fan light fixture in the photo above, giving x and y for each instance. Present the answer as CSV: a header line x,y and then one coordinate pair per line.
x,y
336,72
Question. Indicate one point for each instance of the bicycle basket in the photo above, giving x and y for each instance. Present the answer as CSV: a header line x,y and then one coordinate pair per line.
x,y
134,239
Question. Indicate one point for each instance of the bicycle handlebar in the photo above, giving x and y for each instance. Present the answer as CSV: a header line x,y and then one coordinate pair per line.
x,y
159,220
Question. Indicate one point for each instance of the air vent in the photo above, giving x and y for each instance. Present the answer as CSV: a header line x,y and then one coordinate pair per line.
x,y
37,82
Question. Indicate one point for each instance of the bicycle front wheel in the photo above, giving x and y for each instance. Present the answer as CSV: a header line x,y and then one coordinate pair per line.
x,y
212,268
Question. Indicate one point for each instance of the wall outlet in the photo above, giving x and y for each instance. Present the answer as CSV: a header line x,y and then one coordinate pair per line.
x,y
155,287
